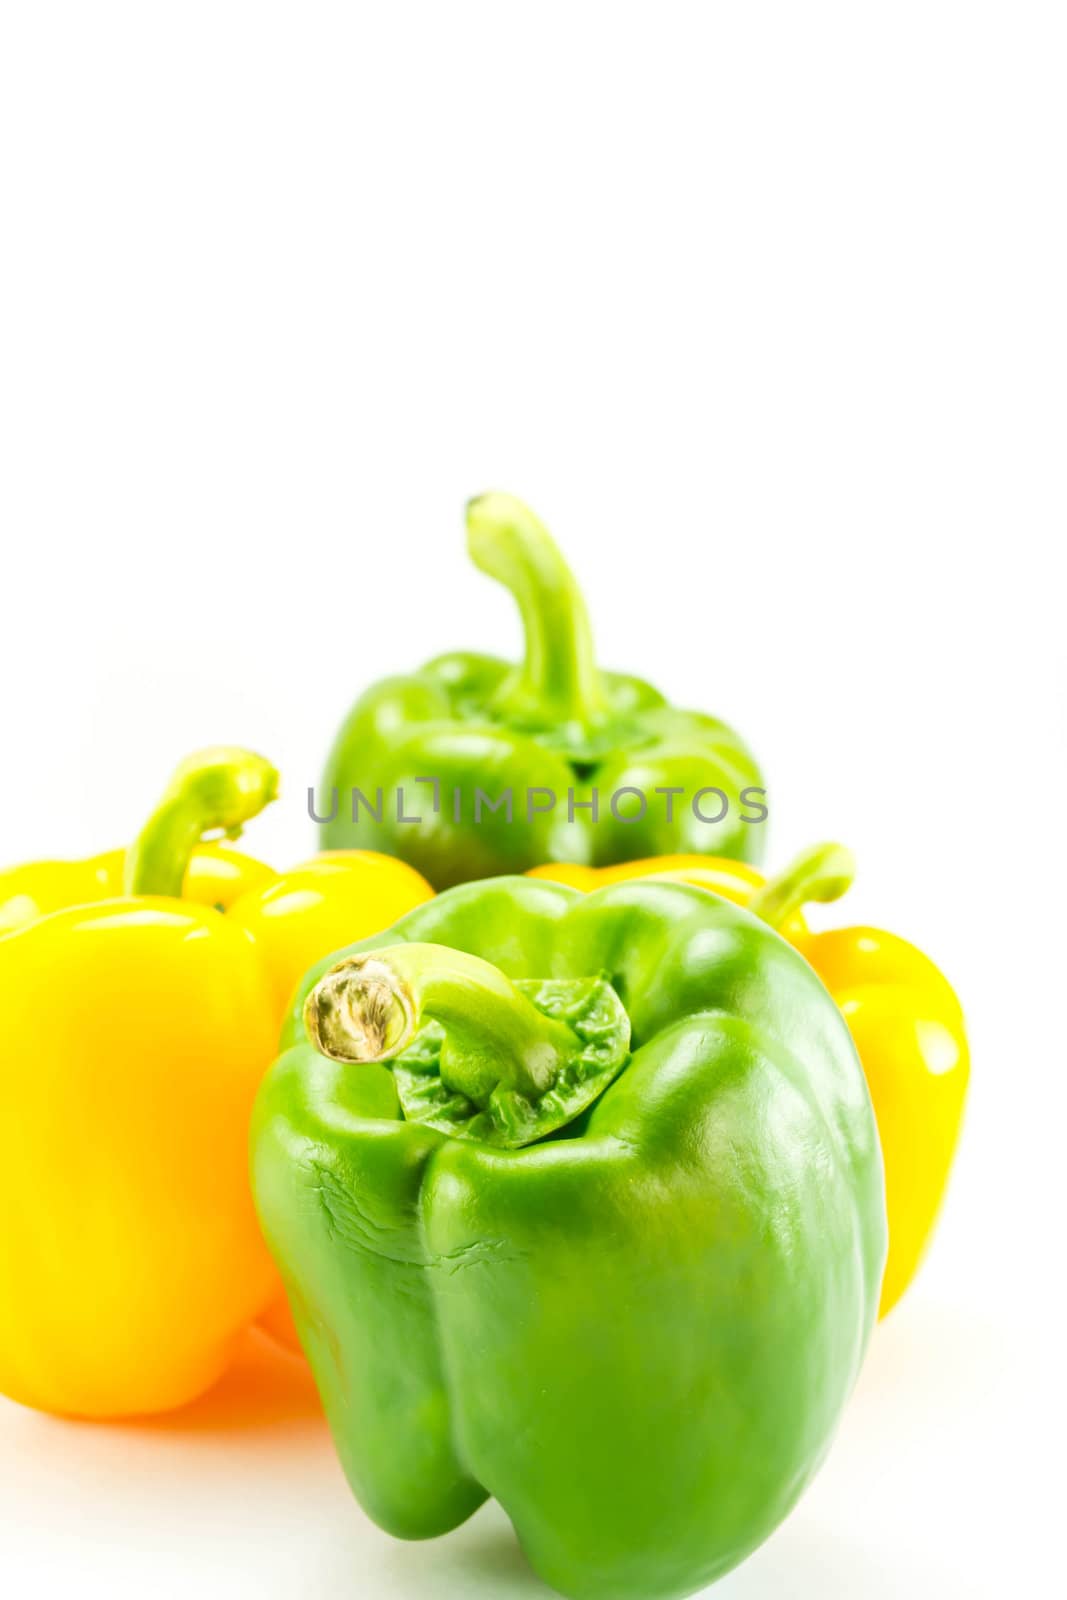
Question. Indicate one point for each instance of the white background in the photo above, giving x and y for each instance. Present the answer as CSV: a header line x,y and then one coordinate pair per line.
x,y
763,309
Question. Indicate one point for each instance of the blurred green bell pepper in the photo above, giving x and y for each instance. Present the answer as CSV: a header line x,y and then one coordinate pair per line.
x,y
579,1203
472,767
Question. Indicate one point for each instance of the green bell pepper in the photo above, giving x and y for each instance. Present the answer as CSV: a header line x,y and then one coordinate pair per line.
x,y
473,767
579,1203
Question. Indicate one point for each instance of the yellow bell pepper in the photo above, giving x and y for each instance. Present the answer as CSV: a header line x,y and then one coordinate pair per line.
x,y
904,1017
142,993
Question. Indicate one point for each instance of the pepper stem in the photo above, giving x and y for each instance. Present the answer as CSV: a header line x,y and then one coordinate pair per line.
x,y
823,872
368,1007
215,790
558,682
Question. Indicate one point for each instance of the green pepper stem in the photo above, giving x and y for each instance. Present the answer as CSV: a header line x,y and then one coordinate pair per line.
x,y
823,872
558,682
368,1007
216,790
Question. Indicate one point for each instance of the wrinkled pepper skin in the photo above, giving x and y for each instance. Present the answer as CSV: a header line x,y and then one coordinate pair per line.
x,y
904,1017
552,725
638,1333
141,994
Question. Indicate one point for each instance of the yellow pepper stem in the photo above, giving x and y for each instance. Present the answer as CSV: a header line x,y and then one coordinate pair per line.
x,y
823,872
213,792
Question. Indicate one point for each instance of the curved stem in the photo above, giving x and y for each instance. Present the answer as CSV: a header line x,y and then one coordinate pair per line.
x,y
215,790
823,872
368,1007
558,681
